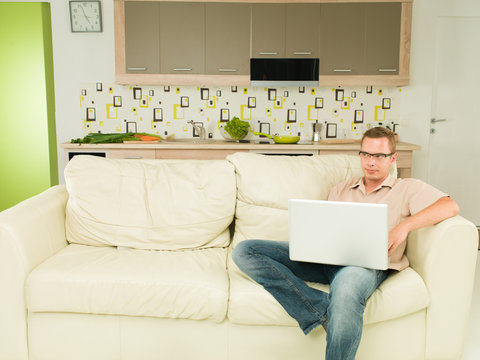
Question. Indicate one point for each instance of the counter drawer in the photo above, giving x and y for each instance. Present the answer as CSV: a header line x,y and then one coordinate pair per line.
x,y
131,154
195,154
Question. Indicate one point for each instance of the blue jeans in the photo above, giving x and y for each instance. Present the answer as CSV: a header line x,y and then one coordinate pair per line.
x,y
340,311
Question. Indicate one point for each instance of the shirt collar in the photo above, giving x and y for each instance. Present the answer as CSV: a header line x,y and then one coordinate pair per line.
x,y
388,182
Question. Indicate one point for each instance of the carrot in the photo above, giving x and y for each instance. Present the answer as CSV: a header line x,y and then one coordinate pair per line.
x,y
149,138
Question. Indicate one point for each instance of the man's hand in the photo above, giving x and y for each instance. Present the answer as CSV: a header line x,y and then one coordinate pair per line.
x,y
396,236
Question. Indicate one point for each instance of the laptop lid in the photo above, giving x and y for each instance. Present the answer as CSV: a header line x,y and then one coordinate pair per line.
x,y
339,233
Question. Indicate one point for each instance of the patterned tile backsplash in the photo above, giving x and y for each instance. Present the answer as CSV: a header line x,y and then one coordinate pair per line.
x,y
165,110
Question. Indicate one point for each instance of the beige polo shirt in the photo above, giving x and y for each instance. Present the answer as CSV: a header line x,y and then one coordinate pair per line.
x,y
404,197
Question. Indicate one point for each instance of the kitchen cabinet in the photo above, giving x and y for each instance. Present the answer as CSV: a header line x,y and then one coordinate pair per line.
x,y
196,154
142,21
171,42
302,31
182,37
365,43
360,39
210,43
285,30
342,39
131,153
382,38
150,47
268,30
227,38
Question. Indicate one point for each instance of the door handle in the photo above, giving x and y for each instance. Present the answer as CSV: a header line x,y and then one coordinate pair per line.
x,y
433,120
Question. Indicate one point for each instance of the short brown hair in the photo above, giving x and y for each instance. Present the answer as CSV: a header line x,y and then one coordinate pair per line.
x,y
380,132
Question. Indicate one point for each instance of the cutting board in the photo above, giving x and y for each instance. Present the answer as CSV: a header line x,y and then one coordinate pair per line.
x,y
141,142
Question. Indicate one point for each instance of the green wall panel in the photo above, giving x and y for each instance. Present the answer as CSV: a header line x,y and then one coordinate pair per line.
x,y
28,154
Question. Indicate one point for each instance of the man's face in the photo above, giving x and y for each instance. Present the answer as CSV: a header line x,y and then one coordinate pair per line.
x,y
376,168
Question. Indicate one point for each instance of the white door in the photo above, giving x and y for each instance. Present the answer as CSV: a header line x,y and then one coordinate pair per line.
x,y
454,150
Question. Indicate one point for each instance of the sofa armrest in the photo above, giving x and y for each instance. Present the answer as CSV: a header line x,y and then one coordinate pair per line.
x,y
445,255
30,232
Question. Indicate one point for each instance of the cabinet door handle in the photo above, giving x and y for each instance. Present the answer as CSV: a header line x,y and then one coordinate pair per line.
x,y
342,70
137,68
132,157
227,70
302,53
387,70
268,53
182,69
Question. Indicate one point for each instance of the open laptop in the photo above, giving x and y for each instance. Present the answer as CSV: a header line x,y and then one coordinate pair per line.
x,y
339,233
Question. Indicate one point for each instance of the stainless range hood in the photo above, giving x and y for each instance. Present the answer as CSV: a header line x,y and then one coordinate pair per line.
x,y
284,72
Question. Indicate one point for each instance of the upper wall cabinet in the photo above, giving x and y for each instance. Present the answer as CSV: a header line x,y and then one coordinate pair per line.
x,y
360,39
182,38
365,43
142,24
182,43
358,42
285,30
227,36
382,38
268,30
343,39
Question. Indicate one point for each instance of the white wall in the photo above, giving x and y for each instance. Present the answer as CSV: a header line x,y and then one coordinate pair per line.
x,y
80,58
416,101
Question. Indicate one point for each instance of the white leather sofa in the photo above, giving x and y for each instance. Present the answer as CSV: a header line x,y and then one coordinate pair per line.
x,y
131,260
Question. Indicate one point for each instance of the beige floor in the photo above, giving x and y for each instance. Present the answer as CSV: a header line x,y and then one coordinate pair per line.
x,y
472,342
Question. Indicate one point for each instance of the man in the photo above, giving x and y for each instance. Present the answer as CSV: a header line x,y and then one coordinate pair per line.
x,y
412,204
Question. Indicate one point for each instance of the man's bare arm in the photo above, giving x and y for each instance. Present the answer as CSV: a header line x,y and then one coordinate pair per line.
x,y
440,210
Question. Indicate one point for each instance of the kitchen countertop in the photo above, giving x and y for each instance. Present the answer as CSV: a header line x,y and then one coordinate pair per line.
x,y
221,144
220,149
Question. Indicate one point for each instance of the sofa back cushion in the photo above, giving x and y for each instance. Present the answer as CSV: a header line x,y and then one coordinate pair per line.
x,y
149,204
265,183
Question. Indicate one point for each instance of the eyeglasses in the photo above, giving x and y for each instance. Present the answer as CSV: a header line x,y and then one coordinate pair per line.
x,y
378,156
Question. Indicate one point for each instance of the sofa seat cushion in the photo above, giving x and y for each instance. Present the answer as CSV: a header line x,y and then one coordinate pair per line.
x,y
149,204
400,294
189,284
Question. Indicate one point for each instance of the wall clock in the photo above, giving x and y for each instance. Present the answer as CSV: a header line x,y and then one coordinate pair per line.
x,y
86,16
